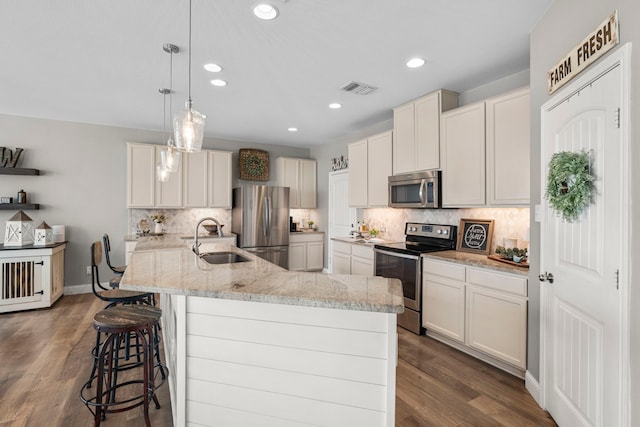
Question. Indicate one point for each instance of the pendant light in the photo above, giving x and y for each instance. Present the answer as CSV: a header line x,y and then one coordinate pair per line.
x,y
171,156
188,125
162,169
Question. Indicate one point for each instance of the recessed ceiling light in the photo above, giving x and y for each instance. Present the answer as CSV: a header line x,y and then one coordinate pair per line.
x,y
214,68
293,129
218,82
335,106
415,63
265,11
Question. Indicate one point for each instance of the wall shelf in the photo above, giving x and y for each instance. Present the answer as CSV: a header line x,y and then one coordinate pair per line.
x,y
19,171
19,206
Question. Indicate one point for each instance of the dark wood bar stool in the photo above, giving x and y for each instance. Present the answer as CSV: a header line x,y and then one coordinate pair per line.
x,y
107,250
125,378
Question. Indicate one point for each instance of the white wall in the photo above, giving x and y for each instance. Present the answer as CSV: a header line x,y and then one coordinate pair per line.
x,y
83,181
564,25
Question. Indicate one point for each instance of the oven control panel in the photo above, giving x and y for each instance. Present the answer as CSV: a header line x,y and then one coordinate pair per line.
x,y
430,230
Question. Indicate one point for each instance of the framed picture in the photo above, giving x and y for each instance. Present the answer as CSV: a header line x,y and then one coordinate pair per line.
x,y
474,235
253,165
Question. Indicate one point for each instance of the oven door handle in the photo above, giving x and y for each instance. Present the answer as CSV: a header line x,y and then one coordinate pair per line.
x,y
396,254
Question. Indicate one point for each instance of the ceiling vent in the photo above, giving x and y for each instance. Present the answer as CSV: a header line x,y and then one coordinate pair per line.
x,y
358,88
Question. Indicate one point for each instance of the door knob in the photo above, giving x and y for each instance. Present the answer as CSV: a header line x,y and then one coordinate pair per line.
x,y
545,277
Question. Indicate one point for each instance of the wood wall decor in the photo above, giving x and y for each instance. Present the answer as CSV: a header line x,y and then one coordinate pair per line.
x,y
9,158
253,165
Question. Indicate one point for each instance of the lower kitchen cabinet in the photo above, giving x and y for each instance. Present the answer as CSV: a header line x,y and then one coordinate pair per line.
x,y
479,311
351,258
306,251
32,277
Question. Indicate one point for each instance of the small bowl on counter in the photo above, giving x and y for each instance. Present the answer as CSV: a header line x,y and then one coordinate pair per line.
x,y
212,228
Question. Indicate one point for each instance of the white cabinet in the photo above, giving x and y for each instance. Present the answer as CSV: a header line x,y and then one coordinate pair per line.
x,y
141,175
219,179
416,126
508,140
350,258
463,156
203,179
482,310
300,176
306,251
370,164
31,278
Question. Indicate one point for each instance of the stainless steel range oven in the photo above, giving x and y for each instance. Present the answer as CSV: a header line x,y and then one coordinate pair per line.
x,y
403,261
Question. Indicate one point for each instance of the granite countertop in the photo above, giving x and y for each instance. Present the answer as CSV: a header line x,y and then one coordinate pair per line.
x,y
136,237
306,232
477,260
361,241
166,265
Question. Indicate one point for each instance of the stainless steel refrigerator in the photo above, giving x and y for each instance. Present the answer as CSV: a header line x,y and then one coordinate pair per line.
x,y
261,220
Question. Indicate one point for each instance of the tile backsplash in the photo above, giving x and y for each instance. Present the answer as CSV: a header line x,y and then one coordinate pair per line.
x,y
509,223
180,221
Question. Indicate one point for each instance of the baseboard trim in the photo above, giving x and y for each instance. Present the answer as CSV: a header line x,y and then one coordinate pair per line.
x,y
533,387
78,289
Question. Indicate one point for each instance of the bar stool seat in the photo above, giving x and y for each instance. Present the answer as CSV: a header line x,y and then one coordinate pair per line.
x,y
126,374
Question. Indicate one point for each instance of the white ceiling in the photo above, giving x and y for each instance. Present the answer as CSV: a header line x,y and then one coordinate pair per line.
x,y
101,61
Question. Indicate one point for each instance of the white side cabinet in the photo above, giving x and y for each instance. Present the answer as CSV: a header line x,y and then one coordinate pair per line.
x,y
300,176
31,277
480,311
306,251
370,165
351,258
416,127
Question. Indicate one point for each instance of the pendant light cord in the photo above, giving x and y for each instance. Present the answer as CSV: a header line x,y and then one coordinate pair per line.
x,y
190,54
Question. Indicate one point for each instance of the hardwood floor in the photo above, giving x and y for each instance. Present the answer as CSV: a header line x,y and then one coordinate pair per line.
x,y
45,358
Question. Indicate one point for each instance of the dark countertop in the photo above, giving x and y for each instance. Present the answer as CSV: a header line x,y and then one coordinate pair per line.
x,y
13,248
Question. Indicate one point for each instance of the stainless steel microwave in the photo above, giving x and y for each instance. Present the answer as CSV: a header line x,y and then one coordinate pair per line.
x,y
416,190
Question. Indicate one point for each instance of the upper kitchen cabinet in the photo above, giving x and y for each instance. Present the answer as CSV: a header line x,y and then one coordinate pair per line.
x,y
369,168
202,180
508,140
416,128
219,179
300,176
463,156
141,175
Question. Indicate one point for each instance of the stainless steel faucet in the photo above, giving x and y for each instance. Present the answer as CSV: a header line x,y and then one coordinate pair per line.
x,y
196,245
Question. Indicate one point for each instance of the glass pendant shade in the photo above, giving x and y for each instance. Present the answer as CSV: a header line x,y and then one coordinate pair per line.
x,y
162,172
170,157
188,126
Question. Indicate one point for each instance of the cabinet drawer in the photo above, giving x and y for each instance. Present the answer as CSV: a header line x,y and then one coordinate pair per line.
x,y
362,251
445,269
342,247
305,237
502,282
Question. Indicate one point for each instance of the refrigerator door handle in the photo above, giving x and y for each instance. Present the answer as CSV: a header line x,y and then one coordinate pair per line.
x,y
268,213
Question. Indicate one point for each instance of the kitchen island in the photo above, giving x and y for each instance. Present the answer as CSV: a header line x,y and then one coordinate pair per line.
x,y
250,343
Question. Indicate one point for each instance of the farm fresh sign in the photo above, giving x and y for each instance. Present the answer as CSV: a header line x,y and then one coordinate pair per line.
x,y
596,44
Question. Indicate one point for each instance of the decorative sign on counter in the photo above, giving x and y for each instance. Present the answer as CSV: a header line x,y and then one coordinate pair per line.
x,y
474,235
596,44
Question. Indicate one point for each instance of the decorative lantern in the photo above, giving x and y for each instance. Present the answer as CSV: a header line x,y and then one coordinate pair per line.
x,y
19,230
43,235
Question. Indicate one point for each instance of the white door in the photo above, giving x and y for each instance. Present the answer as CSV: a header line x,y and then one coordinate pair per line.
x,y
341,216
582,325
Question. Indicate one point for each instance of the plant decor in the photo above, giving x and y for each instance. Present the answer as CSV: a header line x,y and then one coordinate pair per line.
x,y
570,183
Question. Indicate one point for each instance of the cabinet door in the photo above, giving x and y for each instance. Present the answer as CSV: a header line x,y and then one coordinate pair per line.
x,y
404,153
427,131
443,306
219,181
508,137
358,187
379,154
297,256
361,266
195,179
497,324
24,283
169,193
463,156
307,183
341,263
315,256
141,175
288,177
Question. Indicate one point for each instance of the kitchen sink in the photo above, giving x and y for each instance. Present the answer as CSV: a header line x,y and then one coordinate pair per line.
x,y
223,257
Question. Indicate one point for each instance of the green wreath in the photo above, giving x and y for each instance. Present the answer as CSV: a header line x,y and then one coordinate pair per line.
x,y
570,183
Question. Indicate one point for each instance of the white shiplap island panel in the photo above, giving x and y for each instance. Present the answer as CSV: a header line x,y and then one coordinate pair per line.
x,y
286,349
